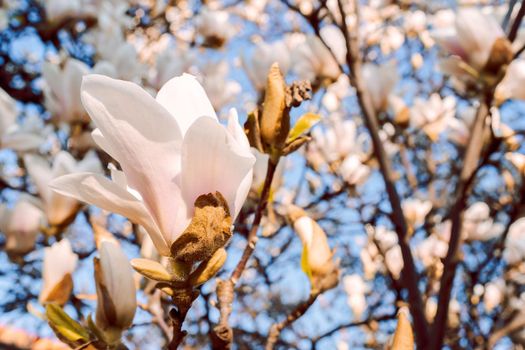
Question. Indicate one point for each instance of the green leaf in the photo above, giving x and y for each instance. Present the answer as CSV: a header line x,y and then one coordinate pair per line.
x,y
64,325
303,125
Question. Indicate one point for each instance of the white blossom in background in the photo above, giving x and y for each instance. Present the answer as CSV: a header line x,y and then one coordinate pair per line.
x,y
340,144
8,113
21,224
380,81
220,89
470,40
434,115
59,263
58,208
171,62
416,210
180,132
214,27
356,289
431,250
478,225
259,172
494,294
515,243
62,89
311,60
513,84
116,292
28,135
335,93
57,10
260,60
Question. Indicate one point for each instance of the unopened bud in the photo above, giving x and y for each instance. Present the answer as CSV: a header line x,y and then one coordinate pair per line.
x,y
209,268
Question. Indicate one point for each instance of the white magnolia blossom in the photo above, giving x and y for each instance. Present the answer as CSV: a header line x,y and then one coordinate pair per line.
x,y
340,145
262,57
171,62
214,26
513,84
356,289
171,148
470,40
28,135
220,89
8,113
380,81
62,89
431,250
311,60
21,224
515,243
59,263
416,210
57,10
117,303
494,294
434,115
478,225
58,208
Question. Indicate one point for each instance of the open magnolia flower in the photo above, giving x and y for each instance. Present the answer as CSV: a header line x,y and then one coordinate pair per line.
x,y
434,115
477,43
172,150
59,209
21,224
8,113
59,264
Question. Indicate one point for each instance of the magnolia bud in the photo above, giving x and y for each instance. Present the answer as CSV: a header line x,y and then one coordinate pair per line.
x,y
501,55
403,337
209,268
209,230
275,120
317,258
116,293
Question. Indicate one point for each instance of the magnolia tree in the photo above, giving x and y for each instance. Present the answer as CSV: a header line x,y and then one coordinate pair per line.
x,y
264,174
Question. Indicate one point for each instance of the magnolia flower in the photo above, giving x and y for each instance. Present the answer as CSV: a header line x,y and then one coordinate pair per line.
x,y
214,27
494,294
431,250
171,62
317,258
472,41
59,264
433,115
27,136
62,89
513,84
415,211
8,114
219,88
21,224
261,59
116,293
356,288
478,225
58,208
57,10
515,243
380,82
171,148
353,171
311,60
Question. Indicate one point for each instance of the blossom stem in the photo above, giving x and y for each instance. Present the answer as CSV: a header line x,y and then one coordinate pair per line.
x,y
222,335
277,328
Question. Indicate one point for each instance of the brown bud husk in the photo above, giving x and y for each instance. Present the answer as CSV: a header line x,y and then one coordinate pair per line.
x,y
403,337
209,268
501,55
209,230
253,131
275,119
61,291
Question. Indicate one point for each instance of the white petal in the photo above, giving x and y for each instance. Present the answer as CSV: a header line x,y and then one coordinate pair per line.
x,y
145,139
40,172
97,190
186,100
213,161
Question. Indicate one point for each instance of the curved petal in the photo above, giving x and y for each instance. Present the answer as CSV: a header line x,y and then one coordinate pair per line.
x,y
186,100
40,172
97,190
213,161
144,138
